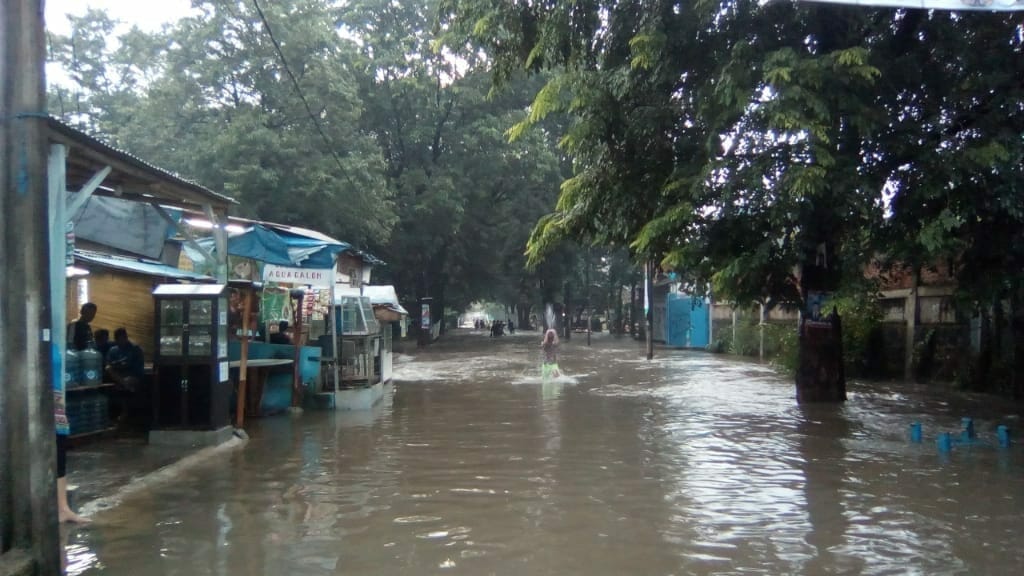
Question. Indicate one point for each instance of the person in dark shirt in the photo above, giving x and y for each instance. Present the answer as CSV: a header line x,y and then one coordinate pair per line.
x,y
103,343
79,332
281,336
79,337
125,361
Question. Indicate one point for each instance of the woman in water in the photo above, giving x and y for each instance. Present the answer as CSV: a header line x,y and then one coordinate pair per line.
x,y
549,368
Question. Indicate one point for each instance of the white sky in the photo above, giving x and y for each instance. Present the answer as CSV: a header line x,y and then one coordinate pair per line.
x,y
146,14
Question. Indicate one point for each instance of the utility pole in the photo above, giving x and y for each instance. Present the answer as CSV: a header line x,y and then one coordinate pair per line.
x,y
649,305
29,542
589,323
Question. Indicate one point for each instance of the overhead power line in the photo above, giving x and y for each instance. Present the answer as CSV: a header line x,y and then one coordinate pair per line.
x,y
302,95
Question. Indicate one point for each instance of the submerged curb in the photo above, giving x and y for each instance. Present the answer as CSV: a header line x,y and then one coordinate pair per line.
x,y
158,477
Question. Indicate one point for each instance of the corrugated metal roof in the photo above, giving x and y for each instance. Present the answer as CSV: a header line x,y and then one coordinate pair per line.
x,y
379,296
58,126
138,266
189,290
384,295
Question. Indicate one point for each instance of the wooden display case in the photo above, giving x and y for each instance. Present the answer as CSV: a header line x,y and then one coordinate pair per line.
x,y
192,389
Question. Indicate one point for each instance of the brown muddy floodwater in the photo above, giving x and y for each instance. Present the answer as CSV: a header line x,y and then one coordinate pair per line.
x,y
690,464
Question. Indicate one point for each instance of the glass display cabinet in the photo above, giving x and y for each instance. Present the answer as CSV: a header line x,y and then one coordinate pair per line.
x,y
360,341
192,389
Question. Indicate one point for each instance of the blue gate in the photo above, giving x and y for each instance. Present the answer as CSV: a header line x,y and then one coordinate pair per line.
x,y
687,325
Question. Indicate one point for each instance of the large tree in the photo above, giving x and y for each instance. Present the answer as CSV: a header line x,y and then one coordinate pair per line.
x,y
465,196
212,98
736,141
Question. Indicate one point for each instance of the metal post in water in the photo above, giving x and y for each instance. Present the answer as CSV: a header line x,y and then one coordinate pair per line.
x,y
915,432
589,311
967,434
298,295
1004,436
945,443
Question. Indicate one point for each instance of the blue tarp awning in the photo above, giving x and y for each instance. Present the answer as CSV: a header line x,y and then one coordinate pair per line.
x,y
282,248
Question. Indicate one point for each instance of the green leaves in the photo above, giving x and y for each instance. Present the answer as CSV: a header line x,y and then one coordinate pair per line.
x,y
647,49
548,100
210,98
727,139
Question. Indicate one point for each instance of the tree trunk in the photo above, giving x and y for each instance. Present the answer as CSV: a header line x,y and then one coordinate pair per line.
x,y
983,362
820,375
438,309
632,310
760,334
820,372
618,312
1017,336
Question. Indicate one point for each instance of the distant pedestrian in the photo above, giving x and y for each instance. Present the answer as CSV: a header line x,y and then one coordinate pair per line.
x,y
549,367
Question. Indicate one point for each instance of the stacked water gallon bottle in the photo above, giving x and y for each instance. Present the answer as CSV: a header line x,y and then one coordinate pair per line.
x,y
87,407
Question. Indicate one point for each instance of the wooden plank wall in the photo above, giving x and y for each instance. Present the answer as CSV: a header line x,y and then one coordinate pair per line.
x,y
122,300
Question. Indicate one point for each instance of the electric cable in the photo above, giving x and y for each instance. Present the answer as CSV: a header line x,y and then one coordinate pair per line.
x,y
302,96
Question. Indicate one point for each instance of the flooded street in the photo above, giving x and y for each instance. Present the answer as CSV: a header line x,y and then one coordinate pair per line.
x,y
690,464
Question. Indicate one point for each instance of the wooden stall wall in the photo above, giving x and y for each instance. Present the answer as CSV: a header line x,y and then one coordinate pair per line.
x,y
123,300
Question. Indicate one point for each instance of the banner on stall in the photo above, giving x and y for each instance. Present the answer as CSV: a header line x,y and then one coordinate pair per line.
x,y
288,275
979,5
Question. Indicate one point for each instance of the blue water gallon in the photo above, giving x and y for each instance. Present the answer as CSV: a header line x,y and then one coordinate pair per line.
x,y
72,370
92,367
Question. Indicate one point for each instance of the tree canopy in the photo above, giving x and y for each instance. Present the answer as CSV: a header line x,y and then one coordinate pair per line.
x,y
731,139
345,117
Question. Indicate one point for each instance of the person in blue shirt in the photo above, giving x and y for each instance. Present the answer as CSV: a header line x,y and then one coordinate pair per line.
x,y
125,361
126,367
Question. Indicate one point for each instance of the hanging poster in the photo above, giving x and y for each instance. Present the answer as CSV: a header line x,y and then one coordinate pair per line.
x,y
275,305
243,268
425,316
817,306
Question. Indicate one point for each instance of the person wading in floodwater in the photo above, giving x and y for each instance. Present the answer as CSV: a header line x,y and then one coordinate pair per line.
x,y
549,368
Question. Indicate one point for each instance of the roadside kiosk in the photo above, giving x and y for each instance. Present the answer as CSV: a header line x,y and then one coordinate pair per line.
x,y
192,389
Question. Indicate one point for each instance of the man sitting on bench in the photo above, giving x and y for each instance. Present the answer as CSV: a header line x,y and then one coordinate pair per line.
x,y
126,367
